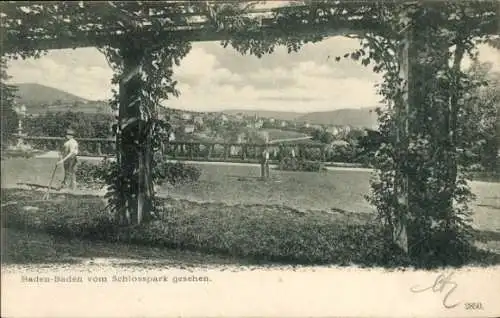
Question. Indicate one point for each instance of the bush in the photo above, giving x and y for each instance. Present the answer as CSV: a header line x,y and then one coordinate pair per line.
x,y
92,175
95,176
295,164
175,173
54,124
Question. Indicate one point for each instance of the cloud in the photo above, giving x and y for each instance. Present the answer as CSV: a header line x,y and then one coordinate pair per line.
x,y
487,54
197,62
288,98
213,78
276,78
83,72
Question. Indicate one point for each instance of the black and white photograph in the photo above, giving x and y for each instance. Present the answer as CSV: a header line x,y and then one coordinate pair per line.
x,y
207,149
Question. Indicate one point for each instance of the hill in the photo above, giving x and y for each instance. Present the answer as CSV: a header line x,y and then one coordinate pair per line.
x,y
40,99
362,117
30,93
264,113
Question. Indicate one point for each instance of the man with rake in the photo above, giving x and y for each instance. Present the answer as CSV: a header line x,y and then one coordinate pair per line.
x,y
69,152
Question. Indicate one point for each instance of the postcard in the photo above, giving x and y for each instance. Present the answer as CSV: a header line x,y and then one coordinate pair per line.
x,y
250,159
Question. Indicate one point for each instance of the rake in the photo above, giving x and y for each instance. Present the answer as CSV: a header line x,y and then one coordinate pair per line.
x,y
46,196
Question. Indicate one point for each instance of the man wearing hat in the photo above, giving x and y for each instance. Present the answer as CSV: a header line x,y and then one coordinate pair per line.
x,y
69,152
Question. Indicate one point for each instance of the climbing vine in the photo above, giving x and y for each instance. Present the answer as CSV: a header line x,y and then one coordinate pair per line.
x,y
420,189
425,156
141,132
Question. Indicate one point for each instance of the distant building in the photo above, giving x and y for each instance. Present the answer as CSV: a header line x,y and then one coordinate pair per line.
x,y
186,116
171,137
223,117
198,120
259,123
284,123
306,125
241,138
189,129
333,130
272,120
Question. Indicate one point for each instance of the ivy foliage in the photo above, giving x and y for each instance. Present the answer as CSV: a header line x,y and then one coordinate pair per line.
x,y
7,104
420,190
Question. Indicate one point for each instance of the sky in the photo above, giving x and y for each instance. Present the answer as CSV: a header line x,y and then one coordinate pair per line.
x,y
212,78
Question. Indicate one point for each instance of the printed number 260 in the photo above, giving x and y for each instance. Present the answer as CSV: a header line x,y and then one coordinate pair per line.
x,y
473,306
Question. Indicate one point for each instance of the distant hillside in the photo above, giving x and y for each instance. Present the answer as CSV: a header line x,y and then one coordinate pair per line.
x,y
40,99
264,113
361,117
39,94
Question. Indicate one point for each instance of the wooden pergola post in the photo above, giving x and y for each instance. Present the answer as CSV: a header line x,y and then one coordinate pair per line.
x,y
403,132
134,149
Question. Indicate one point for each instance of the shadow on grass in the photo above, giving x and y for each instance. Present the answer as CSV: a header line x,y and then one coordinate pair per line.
x,y
193,234
28,247
486,236
496,207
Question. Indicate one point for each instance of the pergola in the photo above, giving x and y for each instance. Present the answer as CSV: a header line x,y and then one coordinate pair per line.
x,y
136,29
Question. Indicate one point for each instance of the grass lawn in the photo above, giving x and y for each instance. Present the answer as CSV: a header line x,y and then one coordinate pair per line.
x,y
282,134
31,247
241,234
294,218
334,189
236,184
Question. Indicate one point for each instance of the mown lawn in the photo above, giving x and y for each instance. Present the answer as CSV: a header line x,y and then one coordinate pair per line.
x,y
21,246
246,233
282,134
236,184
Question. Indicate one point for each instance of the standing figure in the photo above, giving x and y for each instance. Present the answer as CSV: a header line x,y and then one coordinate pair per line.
x,y
264,164
69,154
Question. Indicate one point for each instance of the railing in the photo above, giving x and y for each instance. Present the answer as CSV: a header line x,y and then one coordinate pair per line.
x,y
191,150
87,146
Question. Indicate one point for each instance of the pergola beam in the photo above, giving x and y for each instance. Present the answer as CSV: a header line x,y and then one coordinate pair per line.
x,y
26,25
91,39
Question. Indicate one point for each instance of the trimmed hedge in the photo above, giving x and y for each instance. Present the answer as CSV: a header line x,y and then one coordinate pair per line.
x,y
93,175
294,164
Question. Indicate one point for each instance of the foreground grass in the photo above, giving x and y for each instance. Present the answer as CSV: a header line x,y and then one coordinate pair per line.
x,y
260,233
25,247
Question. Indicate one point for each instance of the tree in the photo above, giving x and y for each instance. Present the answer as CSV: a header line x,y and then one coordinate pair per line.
x,y
481,117
369,143
322,135
54,124
8,97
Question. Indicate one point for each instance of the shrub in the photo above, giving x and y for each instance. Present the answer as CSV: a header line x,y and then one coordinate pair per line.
x,y
295,164
92,175
175,172
54,124
95,176
312,153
